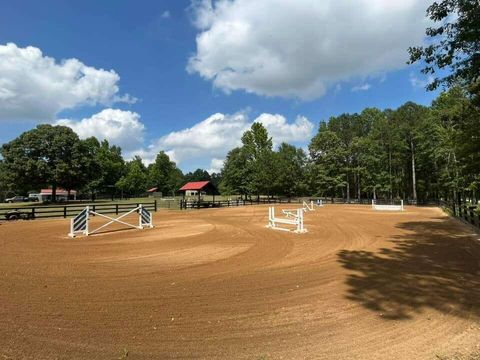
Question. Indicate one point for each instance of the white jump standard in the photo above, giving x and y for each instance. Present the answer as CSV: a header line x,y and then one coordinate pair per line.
x,y
297,221
376,206
80,223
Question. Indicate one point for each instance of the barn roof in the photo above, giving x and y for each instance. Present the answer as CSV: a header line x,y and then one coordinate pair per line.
x,y
195,185
60,191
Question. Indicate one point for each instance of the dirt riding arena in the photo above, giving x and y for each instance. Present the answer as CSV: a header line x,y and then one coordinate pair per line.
x,y
217,284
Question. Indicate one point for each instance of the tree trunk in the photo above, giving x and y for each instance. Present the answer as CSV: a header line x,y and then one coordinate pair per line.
x,y
390,172
54,192
414,182
358,188
348,190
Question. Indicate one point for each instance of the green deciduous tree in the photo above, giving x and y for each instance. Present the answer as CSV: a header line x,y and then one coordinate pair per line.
x,y
235,175
290,167
198,175
47,155
328,162
409,119
164,174
257,146
134,182
454,43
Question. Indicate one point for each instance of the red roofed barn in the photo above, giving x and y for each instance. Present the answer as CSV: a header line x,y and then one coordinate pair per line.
x,y
197,188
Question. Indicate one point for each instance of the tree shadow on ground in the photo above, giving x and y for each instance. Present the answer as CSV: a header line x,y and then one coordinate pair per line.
x,y
431,266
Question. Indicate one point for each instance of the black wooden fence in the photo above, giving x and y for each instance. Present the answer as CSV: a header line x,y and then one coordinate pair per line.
x,y
55,211
195,204
468,213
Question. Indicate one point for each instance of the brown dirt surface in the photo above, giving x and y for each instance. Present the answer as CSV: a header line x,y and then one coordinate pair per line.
x,y
217,284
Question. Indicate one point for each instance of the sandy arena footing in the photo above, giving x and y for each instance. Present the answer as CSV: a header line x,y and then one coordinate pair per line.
x,y
216,284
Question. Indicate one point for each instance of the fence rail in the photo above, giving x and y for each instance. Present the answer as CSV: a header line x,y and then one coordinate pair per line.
x,y
55,211
195,204
468,213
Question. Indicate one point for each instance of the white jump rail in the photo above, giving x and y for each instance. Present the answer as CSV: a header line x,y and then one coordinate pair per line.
x,y
376,206
296,221
80,223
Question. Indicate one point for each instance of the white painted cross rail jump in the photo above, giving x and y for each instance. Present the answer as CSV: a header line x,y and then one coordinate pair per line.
x,y
297,221
376,206
80,223
307,206
292,213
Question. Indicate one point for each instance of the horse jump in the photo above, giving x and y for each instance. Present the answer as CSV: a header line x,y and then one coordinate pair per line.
x,y
376,206
307,206
296,220
80,223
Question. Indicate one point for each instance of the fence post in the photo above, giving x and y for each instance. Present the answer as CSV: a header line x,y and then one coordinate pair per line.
x,y
65,212
156,205
116,209
33,212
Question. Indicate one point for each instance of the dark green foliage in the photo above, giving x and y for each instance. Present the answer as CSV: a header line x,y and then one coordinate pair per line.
x,y
259,165
134,182
48,155
164,175
290,166
235,175
413,152
455,43
197,175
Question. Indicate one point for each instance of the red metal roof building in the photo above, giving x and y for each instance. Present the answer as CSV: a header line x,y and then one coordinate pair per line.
x,y
200,186
60,191
194,185
61,194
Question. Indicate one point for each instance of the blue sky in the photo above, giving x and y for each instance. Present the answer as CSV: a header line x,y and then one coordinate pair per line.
x,y
189,77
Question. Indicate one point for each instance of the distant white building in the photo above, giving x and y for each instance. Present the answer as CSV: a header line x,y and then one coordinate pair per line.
x,y
61,195
194,193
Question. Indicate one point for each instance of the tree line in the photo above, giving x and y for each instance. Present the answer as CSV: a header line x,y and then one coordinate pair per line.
x,y
55,157
413,152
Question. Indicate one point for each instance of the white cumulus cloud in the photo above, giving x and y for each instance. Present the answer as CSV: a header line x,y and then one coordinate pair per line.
x,y
421,83
300,48
37,87
119,127
282,131
209,140
216,166
363,87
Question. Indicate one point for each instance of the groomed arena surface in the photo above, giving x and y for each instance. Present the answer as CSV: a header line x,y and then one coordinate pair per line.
x,y
217,284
